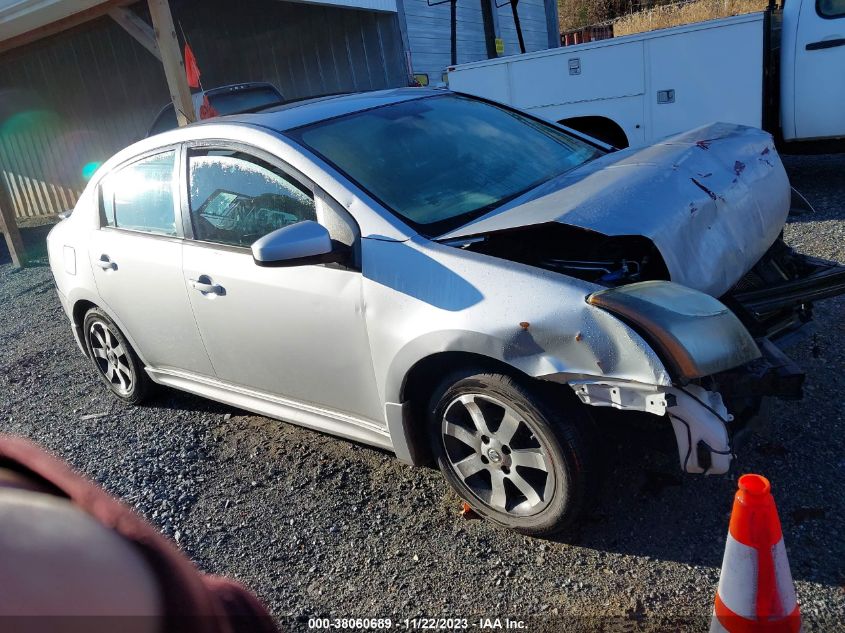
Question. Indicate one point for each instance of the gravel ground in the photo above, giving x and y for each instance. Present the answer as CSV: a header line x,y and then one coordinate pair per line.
x,y
319,526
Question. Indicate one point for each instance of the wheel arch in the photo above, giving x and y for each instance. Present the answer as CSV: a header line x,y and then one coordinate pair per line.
x,y
427,374
80,307
601,127
77,316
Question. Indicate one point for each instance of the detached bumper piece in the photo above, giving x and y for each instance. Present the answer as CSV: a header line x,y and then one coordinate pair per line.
x,y
775,298
827,280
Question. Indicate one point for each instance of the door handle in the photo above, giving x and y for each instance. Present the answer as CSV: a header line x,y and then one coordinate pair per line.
x,y
105,263
204,285
822,44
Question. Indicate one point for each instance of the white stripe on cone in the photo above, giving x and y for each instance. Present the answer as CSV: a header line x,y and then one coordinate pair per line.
x,y
738,581
786,588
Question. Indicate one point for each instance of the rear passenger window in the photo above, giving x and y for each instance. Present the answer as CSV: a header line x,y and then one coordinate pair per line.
x,y
236,199
140,196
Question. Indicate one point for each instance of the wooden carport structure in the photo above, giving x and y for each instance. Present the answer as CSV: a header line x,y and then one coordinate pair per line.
x,y
160,40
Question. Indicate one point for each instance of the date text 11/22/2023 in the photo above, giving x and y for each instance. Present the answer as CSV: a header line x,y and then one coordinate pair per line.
x,y
421,623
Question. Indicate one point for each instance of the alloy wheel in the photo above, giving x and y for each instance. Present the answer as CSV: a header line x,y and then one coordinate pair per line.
x,y
496,454
111,357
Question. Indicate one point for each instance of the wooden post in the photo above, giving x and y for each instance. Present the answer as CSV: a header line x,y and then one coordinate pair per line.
x,y
137,28
171,59
9,226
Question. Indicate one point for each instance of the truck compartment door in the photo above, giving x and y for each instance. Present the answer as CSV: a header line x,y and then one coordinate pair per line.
x,y
590,74
706,75
819,71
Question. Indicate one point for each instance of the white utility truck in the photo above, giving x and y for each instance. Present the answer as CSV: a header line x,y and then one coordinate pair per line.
x,y
782,70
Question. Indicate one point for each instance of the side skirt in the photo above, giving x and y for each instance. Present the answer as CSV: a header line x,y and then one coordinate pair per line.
x,y
299,413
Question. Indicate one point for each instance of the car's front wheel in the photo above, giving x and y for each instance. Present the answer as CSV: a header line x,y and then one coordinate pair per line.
x,y
117,364
518,455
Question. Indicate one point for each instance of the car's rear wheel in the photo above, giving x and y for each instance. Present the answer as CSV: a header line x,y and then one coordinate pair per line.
x,y
117,364
520,456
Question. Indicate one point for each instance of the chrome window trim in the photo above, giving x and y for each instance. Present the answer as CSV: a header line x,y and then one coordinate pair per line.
x,y
159,236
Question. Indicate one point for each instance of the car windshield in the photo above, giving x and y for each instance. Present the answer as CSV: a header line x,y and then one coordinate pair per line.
x,y
441,161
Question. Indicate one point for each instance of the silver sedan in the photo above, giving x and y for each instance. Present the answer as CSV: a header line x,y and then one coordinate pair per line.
x,y
449,279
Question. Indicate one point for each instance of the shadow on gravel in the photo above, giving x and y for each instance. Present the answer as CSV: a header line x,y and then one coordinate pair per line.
x,y
167,398
34,242
821,178
648,508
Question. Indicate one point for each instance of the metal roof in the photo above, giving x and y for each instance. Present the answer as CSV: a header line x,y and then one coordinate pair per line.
x,y
20,16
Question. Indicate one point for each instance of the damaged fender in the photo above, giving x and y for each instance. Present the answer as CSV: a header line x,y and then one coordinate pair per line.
x,y
696,336
536,321
459,301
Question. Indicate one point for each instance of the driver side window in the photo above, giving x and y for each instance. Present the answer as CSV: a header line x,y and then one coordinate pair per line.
x,y
236,199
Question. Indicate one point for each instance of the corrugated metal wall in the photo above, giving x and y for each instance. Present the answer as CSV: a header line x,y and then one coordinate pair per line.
x,y
303,49
429,32
69,102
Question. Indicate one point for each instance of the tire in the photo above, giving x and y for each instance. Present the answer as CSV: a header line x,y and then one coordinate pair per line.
x,y
520,455
114,360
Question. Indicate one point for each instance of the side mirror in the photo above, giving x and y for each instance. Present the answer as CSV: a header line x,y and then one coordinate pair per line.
x,y
302,243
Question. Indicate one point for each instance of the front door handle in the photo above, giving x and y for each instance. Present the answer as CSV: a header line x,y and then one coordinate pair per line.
x,y
204,285
106,263
822,44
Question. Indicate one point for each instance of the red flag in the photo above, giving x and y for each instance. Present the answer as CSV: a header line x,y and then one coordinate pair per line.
x,y
207,110
191,68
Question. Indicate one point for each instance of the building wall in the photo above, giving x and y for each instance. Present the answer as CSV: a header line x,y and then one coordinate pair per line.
x,y
70,101
429,32
303,49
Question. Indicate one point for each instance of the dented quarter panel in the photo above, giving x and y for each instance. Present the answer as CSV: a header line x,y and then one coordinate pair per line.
x,y
712,200
422,298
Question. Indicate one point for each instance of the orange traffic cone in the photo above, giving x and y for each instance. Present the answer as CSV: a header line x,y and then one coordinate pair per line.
x,y
756,592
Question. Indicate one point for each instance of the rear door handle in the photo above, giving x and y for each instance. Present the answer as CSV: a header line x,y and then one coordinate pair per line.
x,y
822,44
204,285
106,263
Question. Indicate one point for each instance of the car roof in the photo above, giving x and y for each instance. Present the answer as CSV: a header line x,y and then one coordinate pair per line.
x,y
298,113
281,118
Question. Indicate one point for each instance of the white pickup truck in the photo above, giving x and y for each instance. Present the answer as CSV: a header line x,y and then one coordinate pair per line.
x,y
782,70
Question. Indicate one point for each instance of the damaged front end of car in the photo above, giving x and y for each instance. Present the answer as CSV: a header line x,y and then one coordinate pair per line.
x,y
685,238
729,355
697,337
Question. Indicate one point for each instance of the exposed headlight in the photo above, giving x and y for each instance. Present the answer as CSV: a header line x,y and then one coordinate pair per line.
x,y
694,334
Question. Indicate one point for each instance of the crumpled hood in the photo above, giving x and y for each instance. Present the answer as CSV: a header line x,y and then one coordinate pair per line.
x,y
712,200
